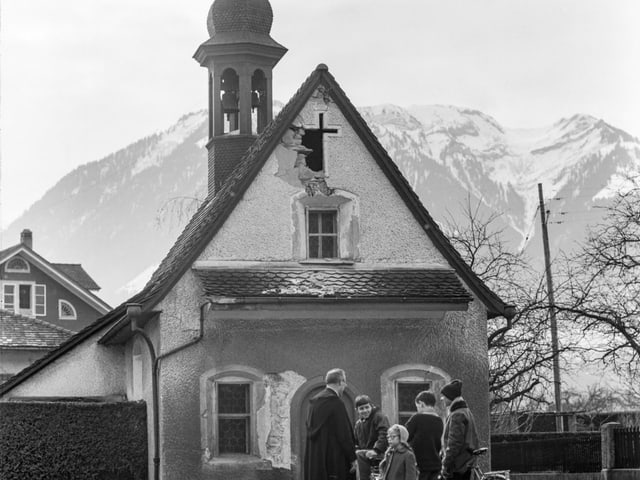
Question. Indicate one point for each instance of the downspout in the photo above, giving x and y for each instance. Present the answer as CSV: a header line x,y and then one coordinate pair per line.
x,y
133,312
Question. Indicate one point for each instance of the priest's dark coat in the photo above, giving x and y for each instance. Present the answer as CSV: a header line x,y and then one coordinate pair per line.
x,y
330,446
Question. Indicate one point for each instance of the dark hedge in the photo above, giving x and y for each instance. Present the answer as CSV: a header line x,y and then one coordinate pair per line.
x,y
73,440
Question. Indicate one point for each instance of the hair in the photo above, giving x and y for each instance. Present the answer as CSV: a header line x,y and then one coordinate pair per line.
x,y
362,400
335,376
428,398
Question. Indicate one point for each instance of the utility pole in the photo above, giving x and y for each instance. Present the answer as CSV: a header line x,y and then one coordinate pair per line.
x,y
552,313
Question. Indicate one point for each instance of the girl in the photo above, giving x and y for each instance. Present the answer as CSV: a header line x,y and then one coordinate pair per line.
x,y
399,462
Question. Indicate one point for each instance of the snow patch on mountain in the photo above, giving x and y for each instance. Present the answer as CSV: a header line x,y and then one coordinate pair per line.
x,y
169,141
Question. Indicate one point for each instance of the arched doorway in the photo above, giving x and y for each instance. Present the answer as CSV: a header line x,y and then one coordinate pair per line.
x,y
299,411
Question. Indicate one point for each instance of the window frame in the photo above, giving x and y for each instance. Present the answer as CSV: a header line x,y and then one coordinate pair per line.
x,y
209,404
347,207
5,286
8,269
61,302
15,308
335,235
43,304
409,373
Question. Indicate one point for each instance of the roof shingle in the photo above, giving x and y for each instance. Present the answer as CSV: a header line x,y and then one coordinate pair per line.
x,y
405,284
20,332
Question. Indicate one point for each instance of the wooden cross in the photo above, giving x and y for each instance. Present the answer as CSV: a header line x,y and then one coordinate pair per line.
x,y
313,138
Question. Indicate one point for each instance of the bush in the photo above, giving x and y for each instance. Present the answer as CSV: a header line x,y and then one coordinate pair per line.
x,y
73,440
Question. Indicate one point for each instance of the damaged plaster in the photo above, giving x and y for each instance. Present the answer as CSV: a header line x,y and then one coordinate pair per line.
x,y
274,417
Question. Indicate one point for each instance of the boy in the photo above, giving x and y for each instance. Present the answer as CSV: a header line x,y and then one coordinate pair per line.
x,y
425,436
371,435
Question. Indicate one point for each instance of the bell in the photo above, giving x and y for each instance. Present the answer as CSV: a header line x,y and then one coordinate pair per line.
x,y
255,100
229,102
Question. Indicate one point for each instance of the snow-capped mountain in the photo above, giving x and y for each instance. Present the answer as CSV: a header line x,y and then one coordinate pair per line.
x,y
449,153
120,215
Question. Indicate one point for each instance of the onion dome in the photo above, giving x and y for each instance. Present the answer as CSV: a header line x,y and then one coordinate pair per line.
x,y
253,16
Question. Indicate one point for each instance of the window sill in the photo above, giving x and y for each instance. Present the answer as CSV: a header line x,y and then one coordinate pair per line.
x,y
235,463
326,261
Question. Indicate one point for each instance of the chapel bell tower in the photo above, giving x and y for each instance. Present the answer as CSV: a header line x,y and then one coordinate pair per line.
x,y
239,55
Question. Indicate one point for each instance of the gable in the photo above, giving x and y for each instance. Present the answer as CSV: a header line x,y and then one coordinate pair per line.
x,y
48,273
264,226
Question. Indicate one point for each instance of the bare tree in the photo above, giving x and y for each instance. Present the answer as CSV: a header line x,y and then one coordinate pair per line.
x,y
520,352
601,285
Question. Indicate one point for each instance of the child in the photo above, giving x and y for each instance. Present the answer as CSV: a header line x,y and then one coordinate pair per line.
x,y
425,436
399,462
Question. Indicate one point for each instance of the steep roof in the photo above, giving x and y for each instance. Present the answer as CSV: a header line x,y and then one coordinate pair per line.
x,y
78,274
25,333
215,209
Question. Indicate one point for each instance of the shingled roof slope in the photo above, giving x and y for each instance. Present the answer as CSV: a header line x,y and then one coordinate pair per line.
x,y
26,333
78,274
392,284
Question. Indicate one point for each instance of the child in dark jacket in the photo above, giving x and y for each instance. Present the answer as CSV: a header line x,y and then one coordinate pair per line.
x,y
425,434
399,463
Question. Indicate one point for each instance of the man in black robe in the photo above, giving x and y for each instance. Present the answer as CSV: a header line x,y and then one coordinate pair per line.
x,y
330,442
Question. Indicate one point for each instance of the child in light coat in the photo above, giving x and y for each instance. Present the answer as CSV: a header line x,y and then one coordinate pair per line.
x,y
399,462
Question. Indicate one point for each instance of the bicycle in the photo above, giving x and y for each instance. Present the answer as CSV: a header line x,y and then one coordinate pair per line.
x,y
478,474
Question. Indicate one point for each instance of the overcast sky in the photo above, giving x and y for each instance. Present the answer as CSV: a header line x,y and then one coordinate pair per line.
x,y
83,78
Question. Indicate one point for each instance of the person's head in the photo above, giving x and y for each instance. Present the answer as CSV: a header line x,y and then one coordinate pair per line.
x,y
336,379
451,391
396,434
425,401
364,406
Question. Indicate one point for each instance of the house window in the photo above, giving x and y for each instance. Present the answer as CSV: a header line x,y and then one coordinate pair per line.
x,y
234,417
401,384
322,233
40,300
66,311
9,297
230,398
17,265
406,393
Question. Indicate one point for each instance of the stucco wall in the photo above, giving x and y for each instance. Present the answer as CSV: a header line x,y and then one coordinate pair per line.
x,y
288,348
87,370
261,226
12,361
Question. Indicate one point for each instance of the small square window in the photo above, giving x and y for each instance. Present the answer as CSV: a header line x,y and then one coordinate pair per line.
x,y
234,417
322,233
406,394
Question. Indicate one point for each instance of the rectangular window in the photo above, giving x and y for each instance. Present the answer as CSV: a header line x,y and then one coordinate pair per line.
x,y
25,296
9,297
406,393
322,233
41,300
234,417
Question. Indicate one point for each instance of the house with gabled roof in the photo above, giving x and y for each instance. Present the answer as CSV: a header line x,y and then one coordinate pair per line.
x,y
41,304
310,252
62,294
